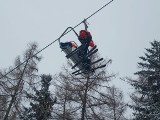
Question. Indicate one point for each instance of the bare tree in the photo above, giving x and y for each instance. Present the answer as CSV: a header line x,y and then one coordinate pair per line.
x,y
13,84
64,109
82,97
116,107
3,105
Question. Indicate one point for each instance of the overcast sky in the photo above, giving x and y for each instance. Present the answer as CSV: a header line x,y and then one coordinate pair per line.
x,y
121,31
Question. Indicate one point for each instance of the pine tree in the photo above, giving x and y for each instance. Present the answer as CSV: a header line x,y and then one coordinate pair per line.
x,y
147,86
41,103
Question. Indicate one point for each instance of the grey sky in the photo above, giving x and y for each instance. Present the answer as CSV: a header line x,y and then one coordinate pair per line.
x,y
122,30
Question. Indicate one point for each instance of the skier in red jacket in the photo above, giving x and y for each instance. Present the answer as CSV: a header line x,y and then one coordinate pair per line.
x,y
86,40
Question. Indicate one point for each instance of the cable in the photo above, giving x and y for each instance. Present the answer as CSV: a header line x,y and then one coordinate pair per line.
x,y
56,39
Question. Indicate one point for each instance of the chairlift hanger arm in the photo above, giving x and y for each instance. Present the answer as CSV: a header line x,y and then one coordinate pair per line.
x,y
66,31
72,29
85,24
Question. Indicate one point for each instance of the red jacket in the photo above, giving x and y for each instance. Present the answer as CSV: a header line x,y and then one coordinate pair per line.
x,y
85,36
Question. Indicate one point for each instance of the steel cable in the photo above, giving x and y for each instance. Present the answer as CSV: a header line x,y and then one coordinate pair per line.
x,y
56,39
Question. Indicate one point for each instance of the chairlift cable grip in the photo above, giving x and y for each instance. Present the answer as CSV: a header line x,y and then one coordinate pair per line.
x,y
85,24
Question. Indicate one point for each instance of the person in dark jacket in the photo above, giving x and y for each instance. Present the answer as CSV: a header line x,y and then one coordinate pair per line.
x,y
86,40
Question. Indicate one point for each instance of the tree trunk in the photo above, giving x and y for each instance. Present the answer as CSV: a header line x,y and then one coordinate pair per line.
x,y
13,99
84,100
64,110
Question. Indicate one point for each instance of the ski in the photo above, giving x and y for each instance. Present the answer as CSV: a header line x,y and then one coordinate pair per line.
x,y
86,56
92,69
97,61
72,53
90,65
78,70
99,67
92,49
